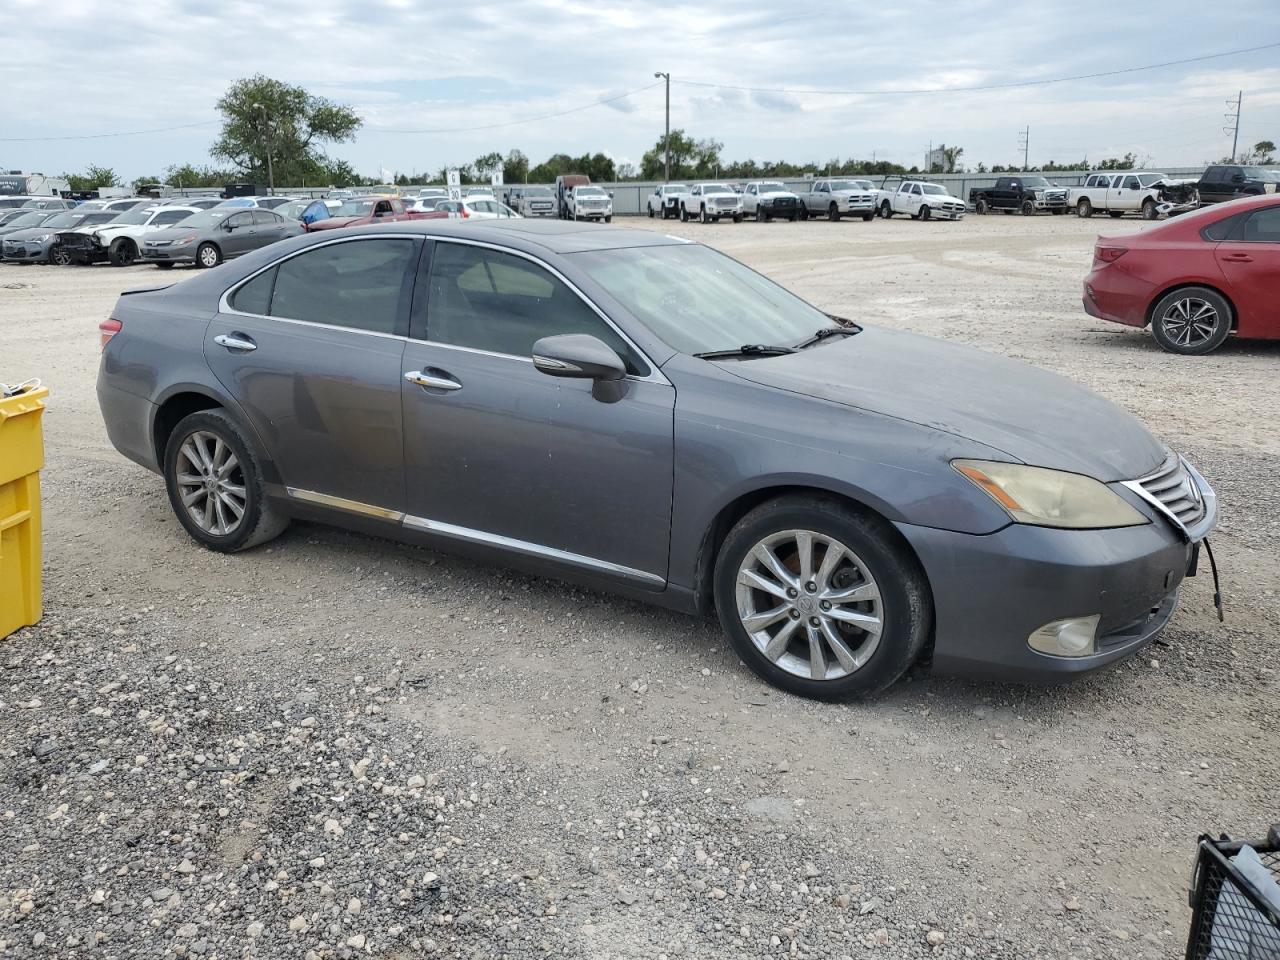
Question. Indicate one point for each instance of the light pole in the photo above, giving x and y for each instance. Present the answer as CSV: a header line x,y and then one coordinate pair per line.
x,y
666,140
271,177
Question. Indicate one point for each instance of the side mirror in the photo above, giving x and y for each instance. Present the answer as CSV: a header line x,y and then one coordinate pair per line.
x,y
578,356
228,227
1237,178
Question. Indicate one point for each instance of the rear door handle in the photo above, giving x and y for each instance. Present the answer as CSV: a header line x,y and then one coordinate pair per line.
x,y
235,341
433,381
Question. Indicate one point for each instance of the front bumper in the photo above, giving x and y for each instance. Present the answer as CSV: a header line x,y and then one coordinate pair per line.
x,y
171,254
594,214
25,251
1050,203
943,213
990,593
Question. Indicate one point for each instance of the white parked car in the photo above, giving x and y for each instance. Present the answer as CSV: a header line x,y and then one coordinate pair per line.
x,y
1119,193
665,200
588,202
478,208
119,204
838,197
709,202
766,199
119,240
921,201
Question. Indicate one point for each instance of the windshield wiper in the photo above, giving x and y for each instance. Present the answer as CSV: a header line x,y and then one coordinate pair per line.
x,y
746,350
826,332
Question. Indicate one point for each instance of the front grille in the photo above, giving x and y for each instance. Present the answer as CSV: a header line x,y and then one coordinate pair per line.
x,y
1173,488
76,241
1055,196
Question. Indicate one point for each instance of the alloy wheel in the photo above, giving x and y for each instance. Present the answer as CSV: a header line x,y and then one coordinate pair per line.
x,y
60,255
1190,321
208,256
809,604
211,483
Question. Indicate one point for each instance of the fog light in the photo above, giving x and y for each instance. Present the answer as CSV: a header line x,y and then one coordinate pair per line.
x,y
1072,637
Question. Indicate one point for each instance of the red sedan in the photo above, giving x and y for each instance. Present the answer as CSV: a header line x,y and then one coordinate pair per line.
x,y
1195,279
359,211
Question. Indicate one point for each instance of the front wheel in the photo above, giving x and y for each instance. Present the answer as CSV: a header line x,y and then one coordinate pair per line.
x,y
609,218
833,213
886,210
122,252
684,214
1149,211
1084,209
59,255
867,217
208,255
702,215
165,265
651,211
737,218
215,484
1192,321
1028,208
821,598
924,213
804,212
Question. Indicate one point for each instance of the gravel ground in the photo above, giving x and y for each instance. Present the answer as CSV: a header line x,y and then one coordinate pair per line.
x,y
338,746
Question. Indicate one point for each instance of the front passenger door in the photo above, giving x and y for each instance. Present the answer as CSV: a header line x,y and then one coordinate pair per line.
x,y
237,234
501,454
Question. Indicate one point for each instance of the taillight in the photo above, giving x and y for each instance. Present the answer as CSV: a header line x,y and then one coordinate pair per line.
x,y
108,329
1109,254
464,213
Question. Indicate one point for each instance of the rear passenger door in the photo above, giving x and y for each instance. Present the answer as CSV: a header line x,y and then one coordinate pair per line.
x,y
310,348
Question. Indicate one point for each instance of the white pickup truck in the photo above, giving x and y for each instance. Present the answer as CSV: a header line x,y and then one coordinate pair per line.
x,y
588,202
665,200
838,198
766,199
709,202
1119,193
921,201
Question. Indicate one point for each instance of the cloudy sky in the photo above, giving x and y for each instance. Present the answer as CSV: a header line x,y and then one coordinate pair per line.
x,y
425,74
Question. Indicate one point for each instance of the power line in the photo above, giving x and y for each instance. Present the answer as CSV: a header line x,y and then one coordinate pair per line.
x,y
513,123
980,87
102,136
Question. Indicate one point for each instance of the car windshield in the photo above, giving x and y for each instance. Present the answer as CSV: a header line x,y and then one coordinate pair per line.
x,y
1258,173
716,188
9,216
208,218
1035,182
62,220
542,192
676,188
589,192
29,219
293,209
772,186
933,188
844,185
1147,179
697,300
133,216
355,208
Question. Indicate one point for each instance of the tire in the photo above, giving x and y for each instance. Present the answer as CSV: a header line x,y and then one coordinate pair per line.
x,y
702,214
875,557
886,210
163,265
833,213
924,213
208,255
1115,214
1149,211
59,255
684,214
737,218
1084,209
1207,324
650,206
980,206
122,252
1028,208
609,219
868,217
792,218
218,437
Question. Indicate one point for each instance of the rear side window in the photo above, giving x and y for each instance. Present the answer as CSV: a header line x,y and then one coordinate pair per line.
x,y
265,217
1262,226
361,284
1223,228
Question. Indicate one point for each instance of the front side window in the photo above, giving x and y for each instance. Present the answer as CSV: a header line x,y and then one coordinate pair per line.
x,y
489,300
362,284
1131,183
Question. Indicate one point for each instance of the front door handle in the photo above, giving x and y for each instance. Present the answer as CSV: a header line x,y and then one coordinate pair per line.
x,y
235,341
434,381
1238,258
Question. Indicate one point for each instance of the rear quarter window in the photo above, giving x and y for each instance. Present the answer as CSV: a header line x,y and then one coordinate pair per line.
x,y
1223,229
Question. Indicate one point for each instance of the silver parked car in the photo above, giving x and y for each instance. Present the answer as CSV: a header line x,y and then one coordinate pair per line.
x,y
646,415
40,244
208,238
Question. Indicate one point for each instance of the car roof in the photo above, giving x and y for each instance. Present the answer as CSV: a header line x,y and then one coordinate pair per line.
x,y
532,235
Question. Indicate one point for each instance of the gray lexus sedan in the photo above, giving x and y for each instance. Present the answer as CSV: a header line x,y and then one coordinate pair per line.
x,y
645,415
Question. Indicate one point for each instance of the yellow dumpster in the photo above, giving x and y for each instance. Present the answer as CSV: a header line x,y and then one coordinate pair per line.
x,y
21,458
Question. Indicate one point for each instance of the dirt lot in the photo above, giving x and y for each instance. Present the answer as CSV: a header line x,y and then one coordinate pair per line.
x,y
339,746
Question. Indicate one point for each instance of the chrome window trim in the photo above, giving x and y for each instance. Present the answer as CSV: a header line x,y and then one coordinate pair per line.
x,y
224,302
469,535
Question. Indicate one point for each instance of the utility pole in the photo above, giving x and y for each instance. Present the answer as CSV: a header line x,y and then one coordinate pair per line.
x,y
1024,141
666,140
271,178
1233,123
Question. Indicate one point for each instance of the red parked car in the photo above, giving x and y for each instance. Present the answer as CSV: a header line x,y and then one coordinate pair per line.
x,y
358,211
1195,279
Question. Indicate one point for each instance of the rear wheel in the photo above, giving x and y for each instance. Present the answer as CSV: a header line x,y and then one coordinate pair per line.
x,y
1149,211
1192,321
122,252
215,484
208,255
820,598
1084,209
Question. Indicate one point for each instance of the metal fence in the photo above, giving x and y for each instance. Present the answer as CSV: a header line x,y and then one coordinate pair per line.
x,y
629,198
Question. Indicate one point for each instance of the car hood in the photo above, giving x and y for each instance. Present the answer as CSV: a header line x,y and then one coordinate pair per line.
x,y
1030,414
30,233
336,223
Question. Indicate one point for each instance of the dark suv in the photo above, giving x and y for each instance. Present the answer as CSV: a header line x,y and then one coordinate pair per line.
x,y
1226,182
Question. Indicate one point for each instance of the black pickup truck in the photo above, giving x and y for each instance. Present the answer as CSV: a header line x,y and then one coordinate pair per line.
x,y
1223,182
1028,193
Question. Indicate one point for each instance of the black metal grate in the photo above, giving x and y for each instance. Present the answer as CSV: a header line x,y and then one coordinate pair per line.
x,y
1230,919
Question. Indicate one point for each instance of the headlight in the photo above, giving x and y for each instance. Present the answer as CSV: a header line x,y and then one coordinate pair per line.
x,y
44,237
1050,498
1039,194
183,241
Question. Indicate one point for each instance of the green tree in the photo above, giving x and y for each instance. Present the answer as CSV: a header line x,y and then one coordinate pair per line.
x,y
272,131
690,158
1263,153
92,179
188,176
1127,162
515,167
953,155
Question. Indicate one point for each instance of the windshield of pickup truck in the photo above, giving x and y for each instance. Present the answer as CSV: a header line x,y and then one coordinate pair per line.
x,y
355,208
716,188
589,191
1035,183
845,185
1258,173
772,186
538,192
934,190
1147,179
